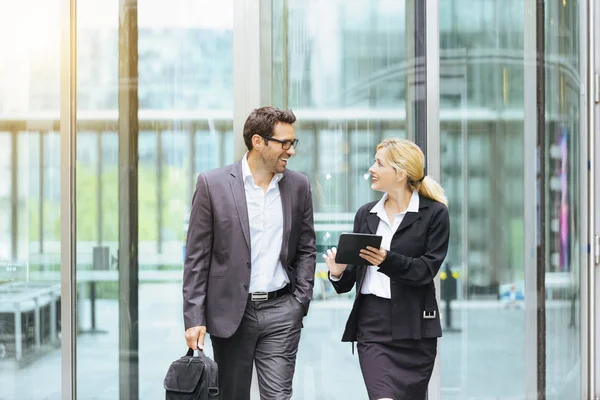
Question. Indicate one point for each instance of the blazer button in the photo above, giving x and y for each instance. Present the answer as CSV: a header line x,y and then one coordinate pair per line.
x,y
395,305
246,287
248,264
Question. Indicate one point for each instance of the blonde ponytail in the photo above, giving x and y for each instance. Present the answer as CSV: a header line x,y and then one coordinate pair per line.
x,y
405,155
432,190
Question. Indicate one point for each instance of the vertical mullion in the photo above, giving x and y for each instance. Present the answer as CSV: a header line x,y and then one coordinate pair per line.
x,y
41,196
589,279
416,72
530,194
128,201
541,184
285,60
421,77
68,120
431,136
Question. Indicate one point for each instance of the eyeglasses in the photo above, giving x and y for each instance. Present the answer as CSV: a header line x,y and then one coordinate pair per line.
x,y
285,144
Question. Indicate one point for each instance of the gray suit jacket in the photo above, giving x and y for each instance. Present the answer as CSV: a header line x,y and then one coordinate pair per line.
x,y
217,266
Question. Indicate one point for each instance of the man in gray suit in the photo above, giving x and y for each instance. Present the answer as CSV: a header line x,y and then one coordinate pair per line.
x,y
250,263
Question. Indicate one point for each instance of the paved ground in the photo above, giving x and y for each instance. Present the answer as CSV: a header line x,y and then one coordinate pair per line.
x,y
485,360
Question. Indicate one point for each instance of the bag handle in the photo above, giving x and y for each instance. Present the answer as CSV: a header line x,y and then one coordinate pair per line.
x,y
190,352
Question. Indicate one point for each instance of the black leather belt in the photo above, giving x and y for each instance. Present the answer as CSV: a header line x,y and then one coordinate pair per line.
x,y
262,296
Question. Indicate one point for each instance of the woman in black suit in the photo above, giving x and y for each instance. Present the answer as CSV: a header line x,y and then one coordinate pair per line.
x,y
395,317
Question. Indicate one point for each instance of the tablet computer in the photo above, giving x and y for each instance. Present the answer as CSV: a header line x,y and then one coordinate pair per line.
x,y
350,244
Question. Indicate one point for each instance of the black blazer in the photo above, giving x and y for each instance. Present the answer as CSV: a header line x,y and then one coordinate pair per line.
x,y
416,253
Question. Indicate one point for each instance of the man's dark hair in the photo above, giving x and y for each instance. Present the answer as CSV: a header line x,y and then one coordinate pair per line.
x,y
261,121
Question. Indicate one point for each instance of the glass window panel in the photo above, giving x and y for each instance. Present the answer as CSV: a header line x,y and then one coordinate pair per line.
x,y
343,67
87,191
175,170
483,166
51,188
30,288
185,87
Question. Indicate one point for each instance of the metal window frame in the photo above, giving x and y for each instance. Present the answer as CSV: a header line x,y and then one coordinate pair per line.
x,y
68,121
432,47
128,259
252,87
530,195
589,280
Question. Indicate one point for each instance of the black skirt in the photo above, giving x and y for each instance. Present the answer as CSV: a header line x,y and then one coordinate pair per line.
x,y
397,369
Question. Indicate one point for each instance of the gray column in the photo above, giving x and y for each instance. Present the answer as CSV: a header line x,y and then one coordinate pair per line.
x,y
416,73
128,201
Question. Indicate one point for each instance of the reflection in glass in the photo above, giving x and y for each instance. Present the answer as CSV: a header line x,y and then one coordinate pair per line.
x,y
29,202
343,67
482,137
184,126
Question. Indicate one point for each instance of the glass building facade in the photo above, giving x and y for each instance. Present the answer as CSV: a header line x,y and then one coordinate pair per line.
x,y
109,111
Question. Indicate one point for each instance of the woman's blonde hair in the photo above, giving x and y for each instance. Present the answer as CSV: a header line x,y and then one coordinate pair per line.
x,y
405,155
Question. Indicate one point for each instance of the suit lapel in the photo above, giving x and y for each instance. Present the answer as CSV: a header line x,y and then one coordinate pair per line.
x,y
408,220
236,182
286,204
372,225
372,222
412,217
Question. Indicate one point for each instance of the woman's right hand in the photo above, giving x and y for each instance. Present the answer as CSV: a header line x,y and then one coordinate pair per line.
x,y
336,270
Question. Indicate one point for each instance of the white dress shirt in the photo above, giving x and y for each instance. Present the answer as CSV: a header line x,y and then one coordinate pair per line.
x,y
375,282
265,214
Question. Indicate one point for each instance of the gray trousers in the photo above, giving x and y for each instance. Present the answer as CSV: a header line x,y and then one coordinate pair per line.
x,y
268,335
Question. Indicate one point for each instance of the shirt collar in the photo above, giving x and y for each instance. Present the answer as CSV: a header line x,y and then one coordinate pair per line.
x,y
246,173
413,204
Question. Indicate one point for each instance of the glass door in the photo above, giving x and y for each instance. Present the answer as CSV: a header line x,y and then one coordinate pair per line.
x,y
354,73
30,200
154,109
511,143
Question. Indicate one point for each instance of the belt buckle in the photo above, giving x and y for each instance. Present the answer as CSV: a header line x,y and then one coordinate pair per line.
x,y
259,296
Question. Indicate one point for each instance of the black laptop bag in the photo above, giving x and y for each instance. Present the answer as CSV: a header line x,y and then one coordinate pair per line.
x,y
192,378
